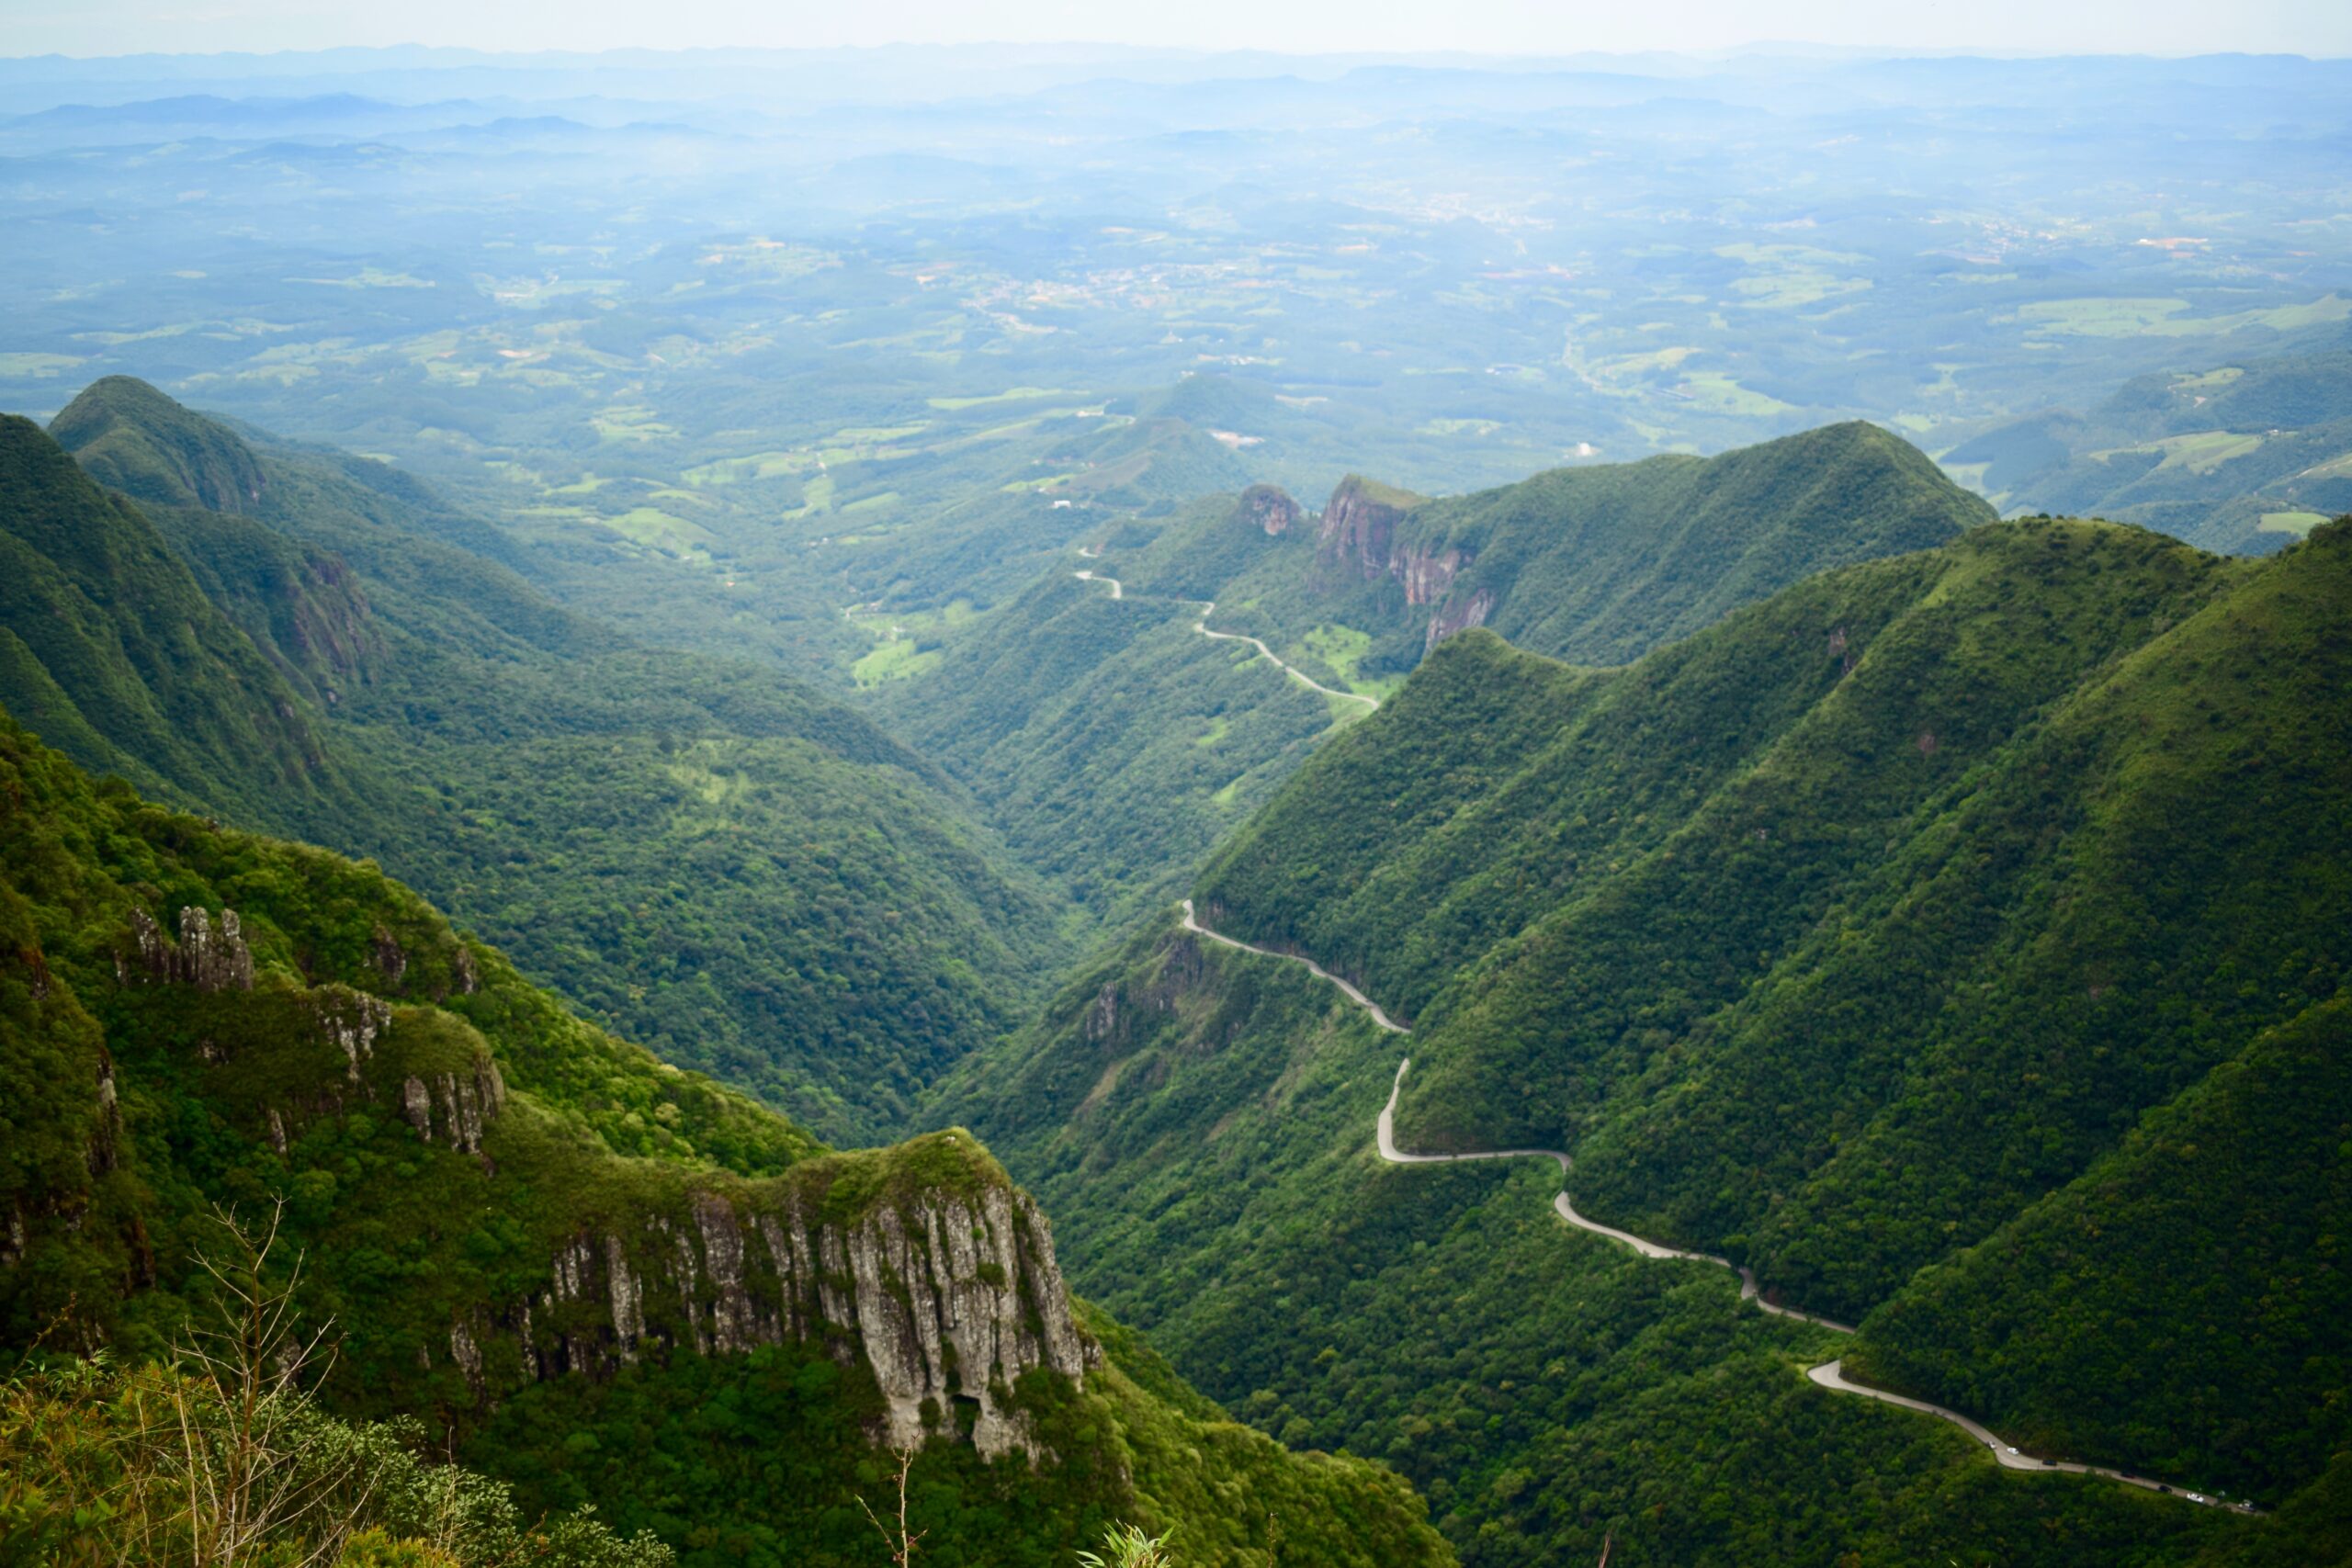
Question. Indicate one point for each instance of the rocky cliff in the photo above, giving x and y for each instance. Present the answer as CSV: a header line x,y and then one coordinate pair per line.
x,y
1358,525
921,1264
1270,508
949,1294
1364,538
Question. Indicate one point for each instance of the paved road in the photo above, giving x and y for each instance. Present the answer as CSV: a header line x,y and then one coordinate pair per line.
x,y
1829,1374
1208,608
1316,969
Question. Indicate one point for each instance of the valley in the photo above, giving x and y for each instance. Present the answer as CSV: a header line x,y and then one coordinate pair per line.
x,y
961,805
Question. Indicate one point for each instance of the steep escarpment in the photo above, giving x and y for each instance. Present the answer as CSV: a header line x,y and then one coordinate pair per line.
x,y
1593,564
528,1233
1355,540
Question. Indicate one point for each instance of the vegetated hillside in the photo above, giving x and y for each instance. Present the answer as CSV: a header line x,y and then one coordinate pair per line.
x,y
1839,936
1594,565
1111,742
1201,1121
2243,457
741,873
584,1271
175,699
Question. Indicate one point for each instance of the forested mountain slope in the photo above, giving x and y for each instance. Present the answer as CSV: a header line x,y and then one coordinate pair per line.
x,y
587,1273
1842,987
1201,1119
1595,564
740,871
1111,741
1895,936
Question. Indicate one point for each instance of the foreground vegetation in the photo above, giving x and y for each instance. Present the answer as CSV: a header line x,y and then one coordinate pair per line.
x,y
456,1155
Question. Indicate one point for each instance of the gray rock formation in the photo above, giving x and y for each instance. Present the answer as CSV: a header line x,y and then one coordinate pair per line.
x,y
207,959
948,1298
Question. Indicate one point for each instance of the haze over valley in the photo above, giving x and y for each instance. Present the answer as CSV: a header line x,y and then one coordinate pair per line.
x,y
837,805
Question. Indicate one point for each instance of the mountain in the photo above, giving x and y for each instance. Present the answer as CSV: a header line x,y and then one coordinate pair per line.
x,y
1595,564
590,1275
2241,457
110,645
1956,941
1112,743
740,871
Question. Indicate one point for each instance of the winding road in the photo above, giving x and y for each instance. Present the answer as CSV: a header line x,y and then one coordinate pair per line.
x,y
1829,1374
1208,608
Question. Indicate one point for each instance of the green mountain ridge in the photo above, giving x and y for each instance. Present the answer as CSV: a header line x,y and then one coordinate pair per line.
x,y
1594,565
1853,936
1111,744
592,1275
716,860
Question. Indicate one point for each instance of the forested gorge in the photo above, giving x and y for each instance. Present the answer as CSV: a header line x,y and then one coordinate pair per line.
x,y
1943,918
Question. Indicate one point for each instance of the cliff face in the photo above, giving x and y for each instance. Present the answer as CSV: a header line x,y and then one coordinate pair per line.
x,y
921,1264
1270,508
948,1297
1364,538
1359,525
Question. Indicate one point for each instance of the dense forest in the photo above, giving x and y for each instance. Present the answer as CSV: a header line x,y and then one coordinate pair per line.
x,y
721,863
1830,932
1112,745
429,1131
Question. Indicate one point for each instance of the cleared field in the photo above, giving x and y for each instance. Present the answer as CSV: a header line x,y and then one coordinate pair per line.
x,y
2199,453
898,659
1715,391
2168,317
1010,395
2296,522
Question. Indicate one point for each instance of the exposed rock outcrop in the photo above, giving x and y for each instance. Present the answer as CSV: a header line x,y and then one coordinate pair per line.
x,y
1461,617
948,1295
1362,537
452,1109
1358,528
207,958
1270,508
354,1020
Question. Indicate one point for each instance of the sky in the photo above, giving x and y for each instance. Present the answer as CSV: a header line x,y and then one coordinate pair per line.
x,y
2319,27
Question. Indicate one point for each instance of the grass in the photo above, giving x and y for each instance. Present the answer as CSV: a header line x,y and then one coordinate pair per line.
x,y
2200,452
1010,395
1715,391
898,659
660,530
369,277
630,423
2165,317
1217,730
1342,648
2296,522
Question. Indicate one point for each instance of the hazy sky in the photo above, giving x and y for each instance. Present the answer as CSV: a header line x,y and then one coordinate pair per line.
x,y
1547,27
